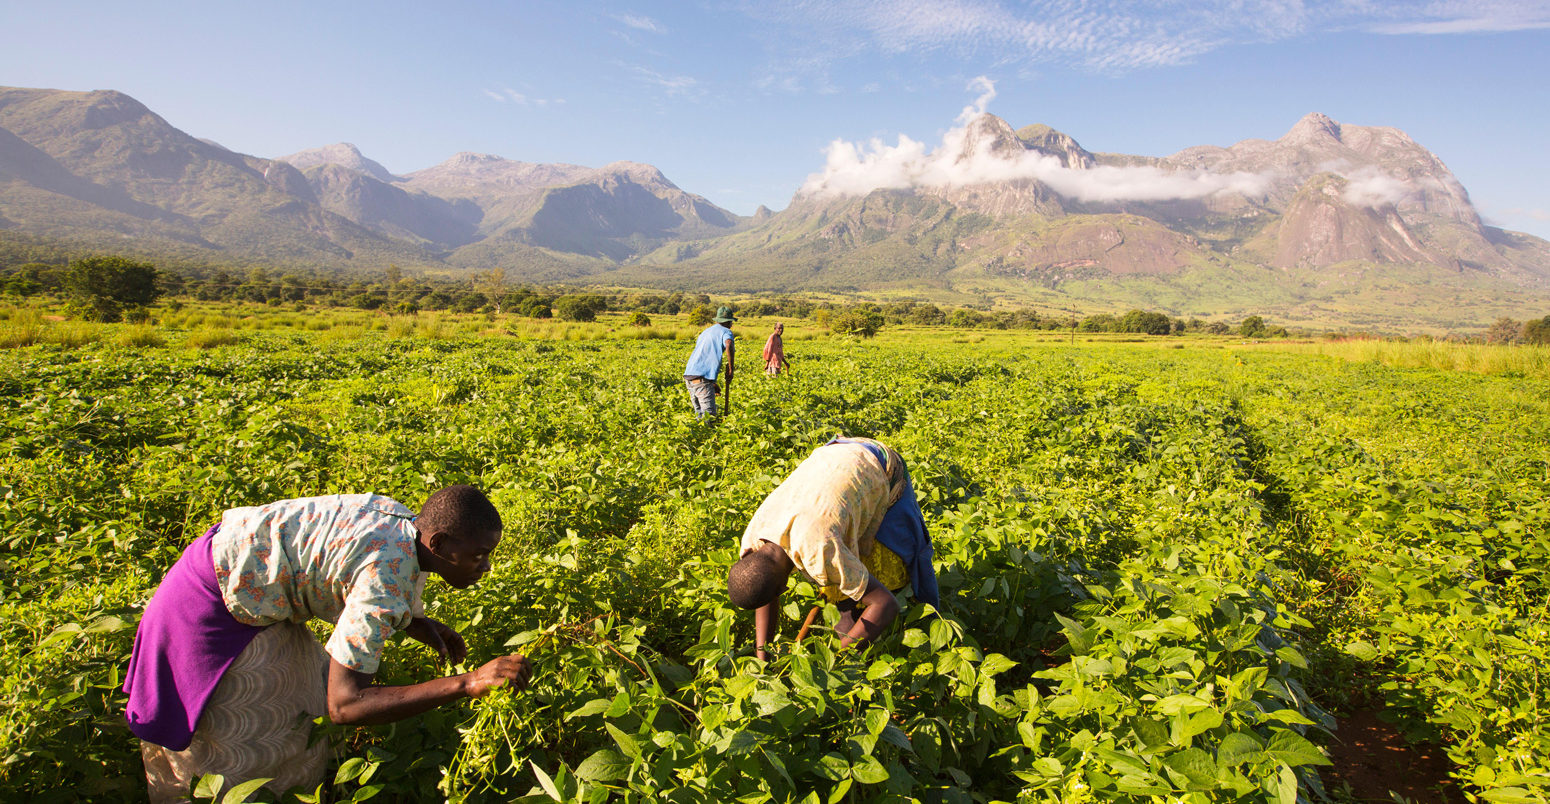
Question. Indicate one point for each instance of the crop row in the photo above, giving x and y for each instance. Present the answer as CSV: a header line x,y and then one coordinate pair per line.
x,y
1160,568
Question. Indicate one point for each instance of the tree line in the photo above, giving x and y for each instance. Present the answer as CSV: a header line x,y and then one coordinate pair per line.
x,y
109,288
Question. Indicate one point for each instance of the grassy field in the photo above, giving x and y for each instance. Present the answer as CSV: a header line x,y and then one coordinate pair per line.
x,y
1171,567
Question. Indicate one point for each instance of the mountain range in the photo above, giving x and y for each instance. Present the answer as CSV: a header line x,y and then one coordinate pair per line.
x,y
1330,223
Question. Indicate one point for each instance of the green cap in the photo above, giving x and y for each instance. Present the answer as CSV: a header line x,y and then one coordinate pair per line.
x,y
723,316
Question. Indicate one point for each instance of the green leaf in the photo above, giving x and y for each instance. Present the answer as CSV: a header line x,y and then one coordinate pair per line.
x,y
1182,704
876,719
741,686
240,793
349,769
996,663
1236,749
879,669
741,743
1362,650
838,793
605,765
627,744
1294,749
545,781
620,705
869,771
209,786
1286,786
1198,723
895,736
1195,765
1510,795
596,706
833,766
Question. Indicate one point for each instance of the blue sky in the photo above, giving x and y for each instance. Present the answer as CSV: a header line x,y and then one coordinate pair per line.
x,y
737,101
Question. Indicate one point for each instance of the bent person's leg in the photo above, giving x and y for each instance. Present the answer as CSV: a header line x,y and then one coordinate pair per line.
x,y
257,723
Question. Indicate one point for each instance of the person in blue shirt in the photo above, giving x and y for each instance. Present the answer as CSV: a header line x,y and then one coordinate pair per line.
x,y
712,347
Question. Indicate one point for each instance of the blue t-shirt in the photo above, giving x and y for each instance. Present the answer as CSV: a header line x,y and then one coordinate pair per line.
x,y
706,359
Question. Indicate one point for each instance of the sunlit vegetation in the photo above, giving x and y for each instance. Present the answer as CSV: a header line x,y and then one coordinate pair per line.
x,y
1169,573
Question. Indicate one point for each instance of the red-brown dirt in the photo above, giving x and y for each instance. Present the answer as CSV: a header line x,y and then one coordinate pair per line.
x,y
1373,758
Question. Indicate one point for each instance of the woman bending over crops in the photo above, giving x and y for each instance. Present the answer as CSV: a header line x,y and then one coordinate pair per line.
x,y
847,518
225,676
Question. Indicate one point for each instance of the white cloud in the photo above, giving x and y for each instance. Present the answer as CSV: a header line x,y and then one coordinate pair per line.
x,y
1371,187
1106,36
987,90
672,84
1470,17
640,22
966,158
509,95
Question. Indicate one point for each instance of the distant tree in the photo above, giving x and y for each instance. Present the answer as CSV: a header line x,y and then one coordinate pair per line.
x,y
638,319
1102,322
701,315
1024,318
1218,328
1145,322
1505,331
927,314
963,318
575,308
406,308
492,285
367,301
536,307
1252,327
469,302
103,287
1537,331
858,322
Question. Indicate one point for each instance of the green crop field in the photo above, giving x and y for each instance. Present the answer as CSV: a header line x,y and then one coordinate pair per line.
x,y
1171,568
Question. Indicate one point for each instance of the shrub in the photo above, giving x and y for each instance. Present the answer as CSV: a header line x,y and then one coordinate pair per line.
x,y
575,308
856,322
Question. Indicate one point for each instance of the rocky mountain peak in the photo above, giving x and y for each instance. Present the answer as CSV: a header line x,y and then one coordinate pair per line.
x,y
343,154
1046,140
988,135
1313,128
639,173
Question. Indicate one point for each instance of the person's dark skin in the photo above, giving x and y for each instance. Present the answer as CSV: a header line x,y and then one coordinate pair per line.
x,y
878,608
353,698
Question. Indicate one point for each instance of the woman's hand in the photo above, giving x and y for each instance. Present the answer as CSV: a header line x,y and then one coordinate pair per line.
x,y
439,637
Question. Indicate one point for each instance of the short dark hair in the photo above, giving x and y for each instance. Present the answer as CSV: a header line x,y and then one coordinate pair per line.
x,y
754,580
460,512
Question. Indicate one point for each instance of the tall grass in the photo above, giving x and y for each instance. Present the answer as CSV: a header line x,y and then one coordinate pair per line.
x,y
1519,361
209,338
27,327
140,336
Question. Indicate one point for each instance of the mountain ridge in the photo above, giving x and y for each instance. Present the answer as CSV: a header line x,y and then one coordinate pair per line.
x,y
1019,213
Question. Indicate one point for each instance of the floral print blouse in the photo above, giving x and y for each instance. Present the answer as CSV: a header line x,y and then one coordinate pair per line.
x,y
348,559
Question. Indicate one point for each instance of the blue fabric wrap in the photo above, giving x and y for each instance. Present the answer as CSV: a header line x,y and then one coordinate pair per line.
x,y
705,360
904,532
